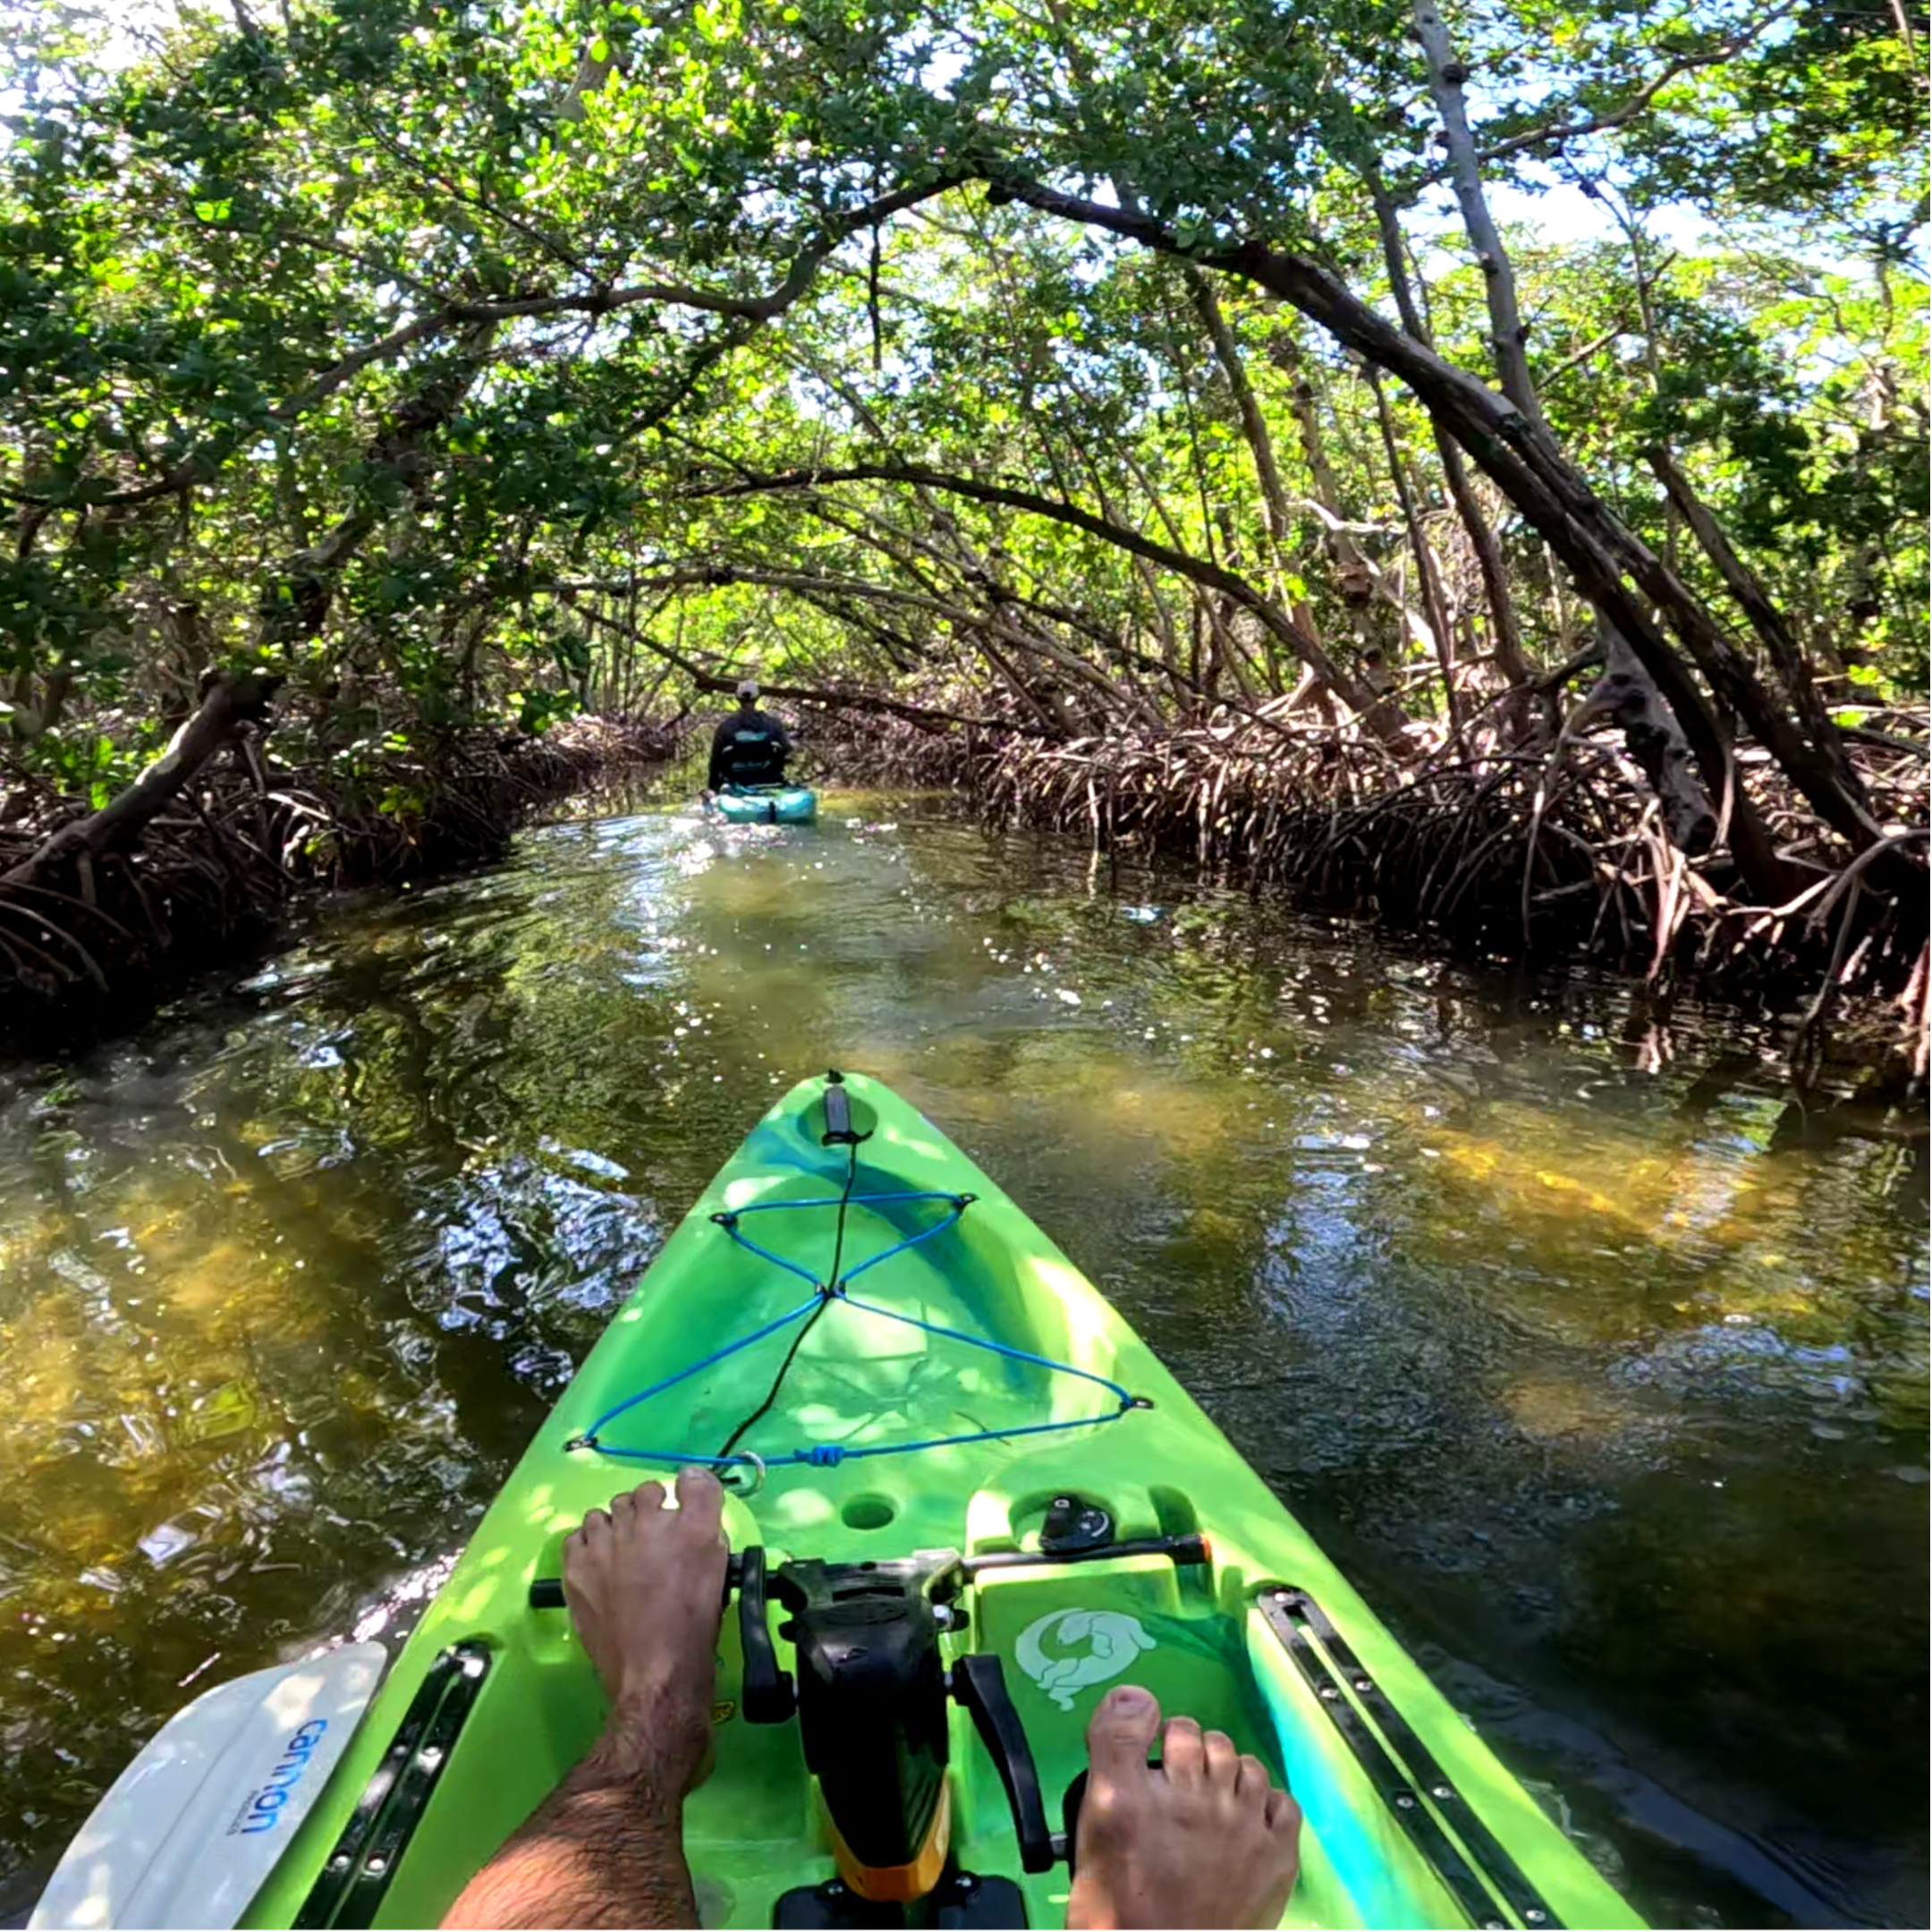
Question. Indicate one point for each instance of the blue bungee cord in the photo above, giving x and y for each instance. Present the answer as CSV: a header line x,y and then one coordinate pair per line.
x,y
830,1455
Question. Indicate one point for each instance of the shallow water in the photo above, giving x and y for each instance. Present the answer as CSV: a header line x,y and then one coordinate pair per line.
x,y
1597,1359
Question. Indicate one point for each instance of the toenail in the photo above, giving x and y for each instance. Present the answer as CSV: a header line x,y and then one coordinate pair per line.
x,y
1128,1699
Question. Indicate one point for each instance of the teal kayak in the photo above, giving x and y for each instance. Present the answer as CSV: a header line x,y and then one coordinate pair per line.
x,y
935,1431
767,804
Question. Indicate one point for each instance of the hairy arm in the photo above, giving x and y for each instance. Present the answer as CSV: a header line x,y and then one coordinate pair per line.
x,y
604,1850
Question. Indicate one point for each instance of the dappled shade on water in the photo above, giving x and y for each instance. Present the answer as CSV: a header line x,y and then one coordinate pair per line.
x,y
1604,1378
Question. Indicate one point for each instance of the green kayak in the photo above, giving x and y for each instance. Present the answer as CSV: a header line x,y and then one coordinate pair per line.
x,y
967,1456
767,805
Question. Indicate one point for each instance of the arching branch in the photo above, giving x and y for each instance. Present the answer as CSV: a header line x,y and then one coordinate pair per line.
x,y
826,694
1213,576
1606,559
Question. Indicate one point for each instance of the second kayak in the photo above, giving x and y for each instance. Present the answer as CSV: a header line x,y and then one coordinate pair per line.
x,y
966,1498
767,805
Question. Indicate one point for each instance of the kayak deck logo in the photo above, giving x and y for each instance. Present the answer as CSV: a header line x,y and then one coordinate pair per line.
x,y
1066,1651
263,1809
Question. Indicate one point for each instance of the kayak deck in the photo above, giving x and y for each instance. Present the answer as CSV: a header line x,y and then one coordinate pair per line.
x,y
1410,1819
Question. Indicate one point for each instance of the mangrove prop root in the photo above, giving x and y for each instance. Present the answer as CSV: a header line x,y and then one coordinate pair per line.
x,y
1495,856
97,914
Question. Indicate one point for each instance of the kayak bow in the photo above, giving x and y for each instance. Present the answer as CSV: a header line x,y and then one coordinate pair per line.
x,y
968,1454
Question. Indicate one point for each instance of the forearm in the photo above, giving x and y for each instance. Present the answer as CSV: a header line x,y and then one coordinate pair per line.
x,y
604,1850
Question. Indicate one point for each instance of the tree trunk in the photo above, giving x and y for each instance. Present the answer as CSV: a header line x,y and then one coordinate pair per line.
x,y
1505,633
1507,330
1432,595
230,700
1352,569
1666,756
1767,620
1654,738
1363,584
1254,423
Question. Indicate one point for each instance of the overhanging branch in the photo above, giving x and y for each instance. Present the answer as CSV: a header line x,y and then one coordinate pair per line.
x,y
1201,570
1604,556
826,694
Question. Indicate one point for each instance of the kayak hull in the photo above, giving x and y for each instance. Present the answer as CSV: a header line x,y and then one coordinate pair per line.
x,y
768,805
1238,1641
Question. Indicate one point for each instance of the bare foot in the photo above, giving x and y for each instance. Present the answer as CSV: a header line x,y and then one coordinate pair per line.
x,y
646,1590
1205,1840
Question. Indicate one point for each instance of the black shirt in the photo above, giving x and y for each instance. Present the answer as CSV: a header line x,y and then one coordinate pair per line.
x,y
749,748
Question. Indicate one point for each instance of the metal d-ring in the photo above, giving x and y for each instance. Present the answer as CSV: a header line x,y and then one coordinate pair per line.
x,y
757,1481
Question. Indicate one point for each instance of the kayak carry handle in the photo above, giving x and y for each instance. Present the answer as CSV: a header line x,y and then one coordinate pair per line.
x,y
838,1119
980,1684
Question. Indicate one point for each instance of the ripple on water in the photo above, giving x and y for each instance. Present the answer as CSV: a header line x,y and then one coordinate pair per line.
x,y
1599,1360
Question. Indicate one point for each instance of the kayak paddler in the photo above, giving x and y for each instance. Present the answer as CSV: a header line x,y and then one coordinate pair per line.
x,y
749,746
1203,1838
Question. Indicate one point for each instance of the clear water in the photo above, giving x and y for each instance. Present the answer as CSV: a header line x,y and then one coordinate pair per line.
x,y
1597,1357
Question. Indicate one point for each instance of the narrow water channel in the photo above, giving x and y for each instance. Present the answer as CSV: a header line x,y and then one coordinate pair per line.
x,y
1598,1361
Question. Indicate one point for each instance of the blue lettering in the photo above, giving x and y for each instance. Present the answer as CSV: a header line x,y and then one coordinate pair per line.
x,y
265,1807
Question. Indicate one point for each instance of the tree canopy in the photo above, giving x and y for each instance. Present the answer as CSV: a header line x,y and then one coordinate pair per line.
x,y
1076,365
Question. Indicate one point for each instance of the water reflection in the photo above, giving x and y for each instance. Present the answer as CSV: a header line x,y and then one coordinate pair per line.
x,y
1599,1359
